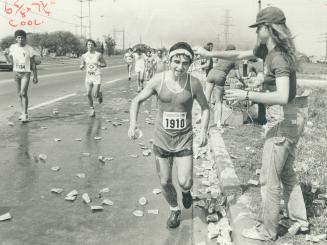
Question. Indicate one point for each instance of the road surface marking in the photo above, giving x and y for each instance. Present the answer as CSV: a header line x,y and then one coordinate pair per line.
x,y
67,96
59,74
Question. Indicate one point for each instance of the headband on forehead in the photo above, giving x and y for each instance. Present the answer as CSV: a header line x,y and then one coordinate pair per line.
x,y
180,51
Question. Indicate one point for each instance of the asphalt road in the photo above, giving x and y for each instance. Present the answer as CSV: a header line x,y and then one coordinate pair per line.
x,y
40,217
56,79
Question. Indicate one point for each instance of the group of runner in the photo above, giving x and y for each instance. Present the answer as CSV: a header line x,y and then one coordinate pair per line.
x,y
176,90
146,64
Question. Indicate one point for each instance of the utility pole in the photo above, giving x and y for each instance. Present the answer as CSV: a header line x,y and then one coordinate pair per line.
x,y
218,41
259,2
81,16
123,34
90,32
226,25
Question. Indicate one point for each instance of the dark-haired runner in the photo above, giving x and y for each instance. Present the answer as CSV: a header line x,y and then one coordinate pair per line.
x,y
93,61
173,136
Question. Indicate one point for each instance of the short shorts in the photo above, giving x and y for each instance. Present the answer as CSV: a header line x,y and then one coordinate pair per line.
x,y
159,152
217,77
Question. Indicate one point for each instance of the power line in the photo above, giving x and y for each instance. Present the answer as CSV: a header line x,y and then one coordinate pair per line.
x,y
226,25
89,3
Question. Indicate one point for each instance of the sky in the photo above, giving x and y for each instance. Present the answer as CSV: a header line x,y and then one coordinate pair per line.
x,y
164,22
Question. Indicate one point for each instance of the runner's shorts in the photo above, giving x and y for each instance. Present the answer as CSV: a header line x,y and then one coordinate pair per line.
x,y
94,79
217,77
159,152
21,76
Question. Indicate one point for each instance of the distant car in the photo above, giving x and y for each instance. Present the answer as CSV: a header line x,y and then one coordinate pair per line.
x,y
4,64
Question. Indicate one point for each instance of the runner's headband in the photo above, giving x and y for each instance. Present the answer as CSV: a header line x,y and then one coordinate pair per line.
x,y
180,51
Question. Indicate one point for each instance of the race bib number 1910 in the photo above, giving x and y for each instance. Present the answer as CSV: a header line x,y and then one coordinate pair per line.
x,y
174,120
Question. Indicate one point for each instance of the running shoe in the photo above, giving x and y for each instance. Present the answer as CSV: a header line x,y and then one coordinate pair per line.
x,y
187,199
129,78
100,99
174,219
92,113
24,118
255,234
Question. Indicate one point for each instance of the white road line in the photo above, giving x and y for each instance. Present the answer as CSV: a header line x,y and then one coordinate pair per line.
x,y
59,74
51,101
67,96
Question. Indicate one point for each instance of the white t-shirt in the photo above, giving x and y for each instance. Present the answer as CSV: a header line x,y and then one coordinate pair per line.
x,y
22,57
129,58
139,60
91,62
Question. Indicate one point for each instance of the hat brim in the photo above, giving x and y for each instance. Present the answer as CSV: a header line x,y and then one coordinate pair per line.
x,y
256,24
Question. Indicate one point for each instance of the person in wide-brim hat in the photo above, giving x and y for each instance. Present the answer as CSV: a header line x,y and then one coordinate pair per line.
x,y
284,127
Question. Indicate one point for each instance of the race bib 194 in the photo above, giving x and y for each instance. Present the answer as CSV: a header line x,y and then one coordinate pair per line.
x,y
20,67
174,120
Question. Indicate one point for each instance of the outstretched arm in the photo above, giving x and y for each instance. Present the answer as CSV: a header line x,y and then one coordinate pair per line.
x,y
227,55
146,93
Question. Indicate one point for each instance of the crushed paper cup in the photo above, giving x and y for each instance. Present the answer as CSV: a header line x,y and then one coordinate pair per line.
x,y
95,208
86,198
57,190
134,156
73,193
138,213
70,198
146,153
97,138
78,139
107,202
57,139
81,175
43,157
156,191
143,201
86,154
101,159
11,124
153,211
104,190
6,216
55,168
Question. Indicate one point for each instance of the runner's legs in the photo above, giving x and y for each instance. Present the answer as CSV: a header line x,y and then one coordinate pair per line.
x,y
22,81
164,170
185,172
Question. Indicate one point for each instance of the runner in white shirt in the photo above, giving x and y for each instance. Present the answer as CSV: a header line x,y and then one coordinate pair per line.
x,y
129,59
149,61
93,61
160,62
22,57
139,58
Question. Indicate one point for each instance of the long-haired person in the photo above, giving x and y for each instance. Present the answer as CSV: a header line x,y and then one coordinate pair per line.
x,y
93,61
285,121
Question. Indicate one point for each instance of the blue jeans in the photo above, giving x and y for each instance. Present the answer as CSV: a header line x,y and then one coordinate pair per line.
x,y
284,128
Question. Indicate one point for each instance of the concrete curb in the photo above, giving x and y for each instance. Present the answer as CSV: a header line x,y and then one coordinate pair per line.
x,y
239,214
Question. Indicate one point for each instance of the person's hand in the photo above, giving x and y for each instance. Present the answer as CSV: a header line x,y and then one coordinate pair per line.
x,y
131,132
35,80
201,51
235,94
81,67
203,138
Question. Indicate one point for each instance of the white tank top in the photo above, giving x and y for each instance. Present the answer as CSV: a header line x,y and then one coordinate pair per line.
x,y
91,61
